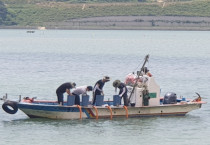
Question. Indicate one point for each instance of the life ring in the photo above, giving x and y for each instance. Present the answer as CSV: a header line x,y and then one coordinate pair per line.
x,y
10,107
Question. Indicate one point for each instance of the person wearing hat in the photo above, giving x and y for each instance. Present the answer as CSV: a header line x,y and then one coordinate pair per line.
x,y
146,72
64,88
82,90
123,91
98,88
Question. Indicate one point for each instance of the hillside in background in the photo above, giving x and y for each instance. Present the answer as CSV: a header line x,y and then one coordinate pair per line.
x,y
105,14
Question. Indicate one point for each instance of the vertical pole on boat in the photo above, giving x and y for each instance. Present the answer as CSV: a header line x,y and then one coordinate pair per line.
x,y
146,59
126,111
19,98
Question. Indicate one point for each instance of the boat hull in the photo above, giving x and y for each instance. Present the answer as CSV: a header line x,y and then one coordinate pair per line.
x,y
78,112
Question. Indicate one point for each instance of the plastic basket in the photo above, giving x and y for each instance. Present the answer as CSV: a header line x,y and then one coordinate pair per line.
x,y
70,100
116,100
85,100
99,100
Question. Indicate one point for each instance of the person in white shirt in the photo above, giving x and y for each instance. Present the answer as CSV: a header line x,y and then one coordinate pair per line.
x,y
82,90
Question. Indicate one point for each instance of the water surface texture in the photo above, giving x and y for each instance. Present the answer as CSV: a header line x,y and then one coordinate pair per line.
x,y
35,64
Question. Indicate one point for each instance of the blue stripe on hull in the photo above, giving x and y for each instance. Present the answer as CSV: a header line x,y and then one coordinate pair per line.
x,y
50,108
86,112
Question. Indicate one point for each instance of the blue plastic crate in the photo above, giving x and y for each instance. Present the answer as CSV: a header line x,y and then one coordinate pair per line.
x,y
70,100
85,100
116,100
99,100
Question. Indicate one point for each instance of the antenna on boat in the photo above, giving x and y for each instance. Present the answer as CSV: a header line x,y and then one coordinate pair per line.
x,y
138,74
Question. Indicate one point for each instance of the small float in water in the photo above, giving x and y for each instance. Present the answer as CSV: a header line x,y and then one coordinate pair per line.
x,y
144,101
30,31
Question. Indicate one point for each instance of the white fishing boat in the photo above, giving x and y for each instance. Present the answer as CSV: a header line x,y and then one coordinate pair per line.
x,y
144,101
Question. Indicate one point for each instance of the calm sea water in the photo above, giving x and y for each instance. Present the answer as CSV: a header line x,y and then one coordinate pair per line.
x,y
36,64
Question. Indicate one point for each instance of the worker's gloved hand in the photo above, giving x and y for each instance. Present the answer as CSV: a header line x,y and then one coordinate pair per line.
x,y
102,93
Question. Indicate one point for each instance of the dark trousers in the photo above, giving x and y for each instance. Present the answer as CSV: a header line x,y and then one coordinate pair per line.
x,y
95,94
125,99
77,99
60,97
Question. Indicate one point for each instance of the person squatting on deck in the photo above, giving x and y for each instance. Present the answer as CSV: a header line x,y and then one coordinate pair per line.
x,y
62,89
98,88
82,90
123,91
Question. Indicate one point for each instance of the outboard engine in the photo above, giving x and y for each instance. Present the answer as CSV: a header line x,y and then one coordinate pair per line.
x,y
170,98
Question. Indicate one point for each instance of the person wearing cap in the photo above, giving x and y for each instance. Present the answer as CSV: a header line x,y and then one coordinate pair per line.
x,y
64,88
82,90
98,88
123,91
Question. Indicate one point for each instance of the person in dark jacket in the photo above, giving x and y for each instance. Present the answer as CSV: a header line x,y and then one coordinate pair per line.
x,y
64,88
98,88
123,90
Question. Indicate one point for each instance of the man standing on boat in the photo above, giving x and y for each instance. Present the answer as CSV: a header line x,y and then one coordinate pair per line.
x,y
123,91
98,88
62,89
82,90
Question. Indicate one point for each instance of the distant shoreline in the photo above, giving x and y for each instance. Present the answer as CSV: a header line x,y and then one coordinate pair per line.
x,y
128,23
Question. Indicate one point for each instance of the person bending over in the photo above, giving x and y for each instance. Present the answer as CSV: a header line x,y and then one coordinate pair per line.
x,y
82,90
64,88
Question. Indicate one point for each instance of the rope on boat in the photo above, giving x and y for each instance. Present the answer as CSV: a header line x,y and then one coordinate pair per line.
x,y
96,110
80,110
126,111
110,109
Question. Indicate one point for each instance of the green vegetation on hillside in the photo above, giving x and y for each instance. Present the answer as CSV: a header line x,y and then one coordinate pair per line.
x,y
36,12
5,15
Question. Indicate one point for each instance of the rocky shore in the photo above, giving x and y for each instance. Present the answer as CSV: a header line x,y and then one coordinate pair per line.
x,y
128,23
